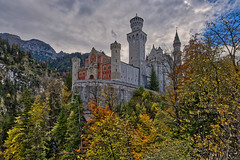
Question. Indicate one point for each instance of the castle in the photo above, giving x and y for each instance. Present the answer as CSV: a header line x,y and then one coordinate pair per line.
x,y
102,70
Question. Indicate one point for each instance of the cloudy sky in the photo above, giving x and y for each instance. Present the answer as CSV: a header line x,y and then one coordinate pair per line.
x,y
79,25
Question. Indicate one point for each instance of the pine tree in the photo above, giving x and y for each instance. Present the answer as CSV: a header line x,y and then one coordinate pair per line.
x,y
68,81
58,132
38,130
153,81
17,142
74,127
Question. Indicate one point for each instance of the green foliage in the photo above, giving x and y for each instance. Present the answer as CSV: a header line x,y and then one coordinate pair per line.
x,y
145,102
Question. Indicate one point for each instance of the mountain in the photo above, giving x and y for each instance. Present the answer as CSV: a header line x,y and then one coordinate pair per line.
x,y
60,62
39,50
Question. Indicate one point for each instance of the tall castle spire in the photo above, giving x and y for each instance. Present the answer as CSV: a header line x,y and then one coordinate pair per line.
x,y
177,49
176,42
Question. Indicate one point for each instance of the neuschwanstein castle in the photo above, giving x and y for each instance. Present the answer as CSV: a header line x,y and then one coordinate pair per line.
x,y
101,70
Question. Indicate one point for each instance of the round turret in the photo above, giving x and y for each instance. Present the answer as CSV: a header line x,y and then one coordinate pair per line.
x,y
115,60
75,66
136,23
115,45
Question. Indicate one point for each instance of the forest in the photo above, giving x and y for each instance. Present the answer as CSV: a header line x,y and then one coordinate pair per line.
x,y
196,118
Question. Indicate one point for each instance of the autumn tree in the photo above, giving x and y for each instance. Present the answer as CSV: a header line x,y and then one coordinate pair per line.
x,y
144,137
172,91
168,145
106,135
209,102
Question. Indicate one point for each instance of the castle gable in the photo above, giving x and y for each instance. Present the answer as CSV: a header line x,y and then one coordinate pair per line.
x,y
97,66
155,55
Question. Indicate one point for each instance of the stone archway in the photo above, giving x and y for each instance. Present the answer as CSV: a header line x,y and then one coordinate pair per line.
x,y
91,77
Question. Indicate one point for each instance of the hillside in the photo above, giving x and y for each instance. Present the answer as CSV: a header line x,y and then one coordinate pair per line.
x,y
19,67
18,71
64,64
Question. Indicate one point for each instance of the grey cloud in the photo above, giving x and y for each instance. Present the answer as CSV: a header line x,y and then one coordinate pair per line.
x,y
66,3
62,5
79,25
85,10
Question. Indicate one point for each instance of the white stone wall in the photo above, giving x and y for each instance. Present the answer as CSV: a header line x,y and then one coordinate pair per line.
x,y
92,88
129,74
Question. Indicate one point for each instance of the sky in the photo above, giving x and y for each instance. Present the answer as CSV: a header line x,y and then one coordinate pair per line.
x,y
78,25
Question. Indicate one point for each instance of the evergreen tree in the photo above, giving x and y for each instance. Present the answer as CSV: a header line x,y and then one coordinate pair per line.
x,y
8,110
38,130
58,132
68,81
154,84
17,142
74,127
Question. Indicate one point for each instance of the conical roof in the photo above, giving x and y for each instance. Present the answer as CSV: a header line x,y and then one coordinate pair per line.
x,y
177,40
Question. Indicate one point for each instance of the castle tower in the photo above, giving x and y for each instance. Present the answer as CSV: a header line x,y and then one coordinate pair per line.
x,y
115,60
137,39
75,66
177,49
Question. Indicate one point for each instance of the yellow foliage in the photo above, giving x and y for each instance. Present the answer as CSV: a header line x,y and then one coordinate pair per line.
x,y
8,95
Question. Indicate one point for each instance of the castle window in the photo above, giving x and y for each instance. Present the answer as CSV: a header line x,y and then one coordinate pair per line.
x,y
116,51
116,70
84,73
116,60
104,68
80,74
109,67
109,75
